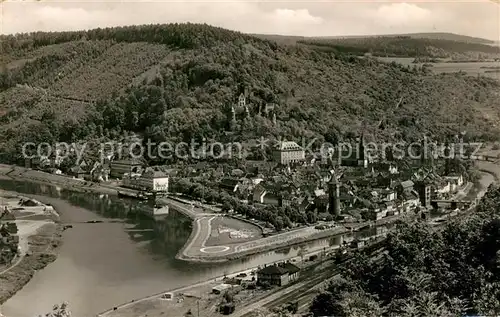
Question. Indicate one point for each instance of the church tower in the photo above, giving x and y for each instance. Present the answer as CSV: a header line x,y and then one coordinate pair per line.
x,y
334,196
362,161
447,159
422,152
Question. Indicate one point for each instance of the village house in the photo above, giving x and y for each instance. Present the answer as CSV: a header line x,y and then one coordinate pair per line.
x,y
410,201
384,194
121,167
229,184
265,195
288,152
405,187
278,274
443,187
456,181
77,172
100,172
259,167
154,181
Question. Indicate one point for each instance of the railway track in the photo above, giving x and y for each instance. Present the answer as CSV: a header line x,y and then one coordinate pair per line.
x,y
305,291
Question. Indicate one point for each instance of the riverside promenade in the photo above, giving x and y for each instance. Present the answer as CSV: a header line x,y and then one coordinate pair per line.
x,y
196,249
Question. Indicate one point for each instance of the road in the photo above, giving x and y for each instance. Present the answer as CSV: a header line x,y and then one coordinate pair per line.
x,y
26,228
303,292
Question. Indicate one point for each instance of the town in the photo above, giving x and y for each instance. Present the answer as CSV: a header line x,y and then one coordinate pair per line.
x,y
186,170
291,187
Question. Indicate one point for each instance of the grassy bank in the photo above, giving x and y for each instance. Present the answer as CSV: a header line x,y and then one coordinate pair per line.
x,y
42,251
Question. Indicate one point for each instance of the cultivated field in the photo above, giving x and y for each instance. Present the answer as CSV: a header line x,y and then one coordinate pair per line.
x,y
472,68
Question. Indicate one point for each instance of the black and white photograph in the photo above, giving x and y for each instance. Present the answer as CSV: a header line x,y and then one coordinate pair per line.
x,y
244,158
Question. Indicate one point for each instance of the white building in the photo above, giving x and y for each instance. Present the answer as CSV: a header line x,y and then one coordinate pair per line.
x,y
288,152
150,180
154,181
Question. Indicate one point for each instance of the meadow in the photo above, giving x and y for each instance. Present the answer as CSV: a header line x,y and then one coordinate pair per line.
x,y
471,68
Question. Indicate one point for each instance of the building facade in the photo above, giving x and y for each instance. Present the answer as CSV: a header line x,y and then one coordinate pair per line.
x,y
118,168
354,155
288,152
278,274
154,181
151,181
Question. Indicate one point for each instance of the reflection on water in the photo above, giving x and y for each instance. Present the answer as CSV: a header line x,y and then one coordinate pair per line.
x,y
111,263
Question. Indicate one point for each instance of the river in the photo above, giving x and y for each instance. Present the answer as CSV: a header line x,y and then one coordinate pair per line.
x,y
125,257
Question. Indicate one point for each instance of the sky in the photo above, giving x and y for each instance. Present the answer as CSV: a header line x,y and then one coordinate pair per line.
x,y
480,18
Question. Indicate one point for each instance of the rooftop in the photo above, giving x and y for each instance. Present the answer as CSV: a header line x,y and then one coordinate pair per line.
x,y
288,146
274,270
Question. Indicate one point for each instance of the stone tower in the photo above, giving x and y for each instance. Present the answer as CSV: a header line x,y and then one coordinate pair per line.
x,y
242,101
233,114
247,112
334,196
361,154
447,159
232,123
274,119
423,152
361,147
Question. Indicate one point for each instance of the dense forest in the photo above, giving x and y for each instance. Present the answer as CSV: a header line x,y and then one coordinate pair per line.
x,y
177,82
426,272
406,46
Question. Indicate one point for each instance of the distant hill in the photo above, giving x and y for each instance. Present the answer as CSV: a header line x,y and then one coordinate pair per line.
x,y
434,36
431,45
178,81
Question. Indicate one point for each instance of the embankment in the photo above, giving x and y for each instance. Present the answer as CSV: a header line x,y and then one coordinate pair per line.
x,y
25,174
260,247
42,251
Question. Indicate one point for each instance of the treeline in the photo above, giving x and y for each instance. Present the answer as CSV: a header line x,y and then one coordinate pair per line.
x,y
180,94
400,46
186,36
453,272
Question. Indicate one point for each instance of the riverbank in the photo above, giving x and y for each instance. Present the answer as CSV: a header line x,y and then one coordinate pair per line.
x,y
39,238
26,174
194,250
159,304
195,253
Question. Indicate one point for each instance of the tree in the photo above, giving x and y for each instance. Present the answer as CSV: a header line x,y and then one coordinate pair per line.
x,y
278,223
59,311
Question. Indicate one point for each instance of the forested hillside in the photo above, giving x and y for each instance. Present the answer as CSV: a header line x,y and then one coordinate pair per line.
x,y
452,272
175,82
408,46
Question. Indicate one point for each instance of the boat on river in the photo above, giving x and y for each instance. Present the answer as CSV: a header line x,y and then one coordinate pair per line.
x,y
139,195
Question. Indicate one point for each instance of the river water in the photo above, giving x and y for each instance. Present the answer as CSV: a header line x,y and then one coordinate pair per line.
x,y
101,265
127,256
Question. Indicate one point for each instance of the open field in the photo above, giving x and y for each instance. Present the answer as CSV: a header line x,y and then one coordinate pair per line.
x,y
472,68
